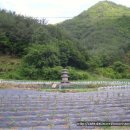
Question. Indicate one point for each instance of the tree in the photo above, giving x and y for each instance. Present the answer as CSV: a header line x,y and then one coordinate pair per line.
x,y
4,43
41,56
120,67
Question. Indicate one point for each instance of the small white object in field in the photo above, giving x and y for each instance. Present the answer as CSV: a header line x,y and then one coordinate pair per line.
x,y
54,85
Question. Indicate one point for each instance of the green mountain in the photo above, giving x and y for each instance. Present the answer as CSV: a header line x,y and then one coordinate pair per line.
x,y
93,45
104,30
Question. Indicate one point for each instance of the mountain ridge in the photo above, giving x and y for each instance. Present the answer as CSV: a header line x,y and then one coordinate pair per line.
x,y
101,31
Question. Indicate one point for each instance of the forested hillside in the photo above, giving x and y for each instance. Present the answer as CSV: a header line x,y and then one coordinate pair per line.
x,y
95,44
42,47
104,30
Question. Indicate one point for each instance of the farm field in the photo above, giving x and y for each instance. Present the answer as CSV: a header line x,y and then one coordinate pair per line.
x,y
67,75
38,110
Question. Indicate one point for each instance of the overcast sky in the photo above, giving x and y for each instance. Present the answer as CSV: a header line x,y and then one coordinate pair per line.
x,y
53,10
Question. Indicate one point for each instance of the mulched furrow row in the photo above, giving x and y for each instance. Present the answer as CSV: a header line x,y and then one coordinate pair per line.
x,y
29,108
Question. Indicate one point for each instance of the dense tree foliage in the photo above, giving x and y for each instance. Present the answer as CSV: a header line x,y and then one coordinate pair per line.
x,y
94,43
104,30
17,31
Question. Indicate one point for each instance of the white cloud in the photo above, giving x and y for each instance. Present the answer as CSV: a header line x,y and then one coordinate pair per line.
x,y
51,8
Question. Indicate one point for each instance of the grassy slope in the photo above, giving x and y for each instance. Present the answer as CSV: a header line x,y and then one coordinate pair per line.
x,y
8,65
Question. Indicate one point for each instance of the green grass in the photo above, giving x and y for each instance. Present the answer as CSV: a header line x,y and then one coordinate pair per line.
x,y
8,64
69,90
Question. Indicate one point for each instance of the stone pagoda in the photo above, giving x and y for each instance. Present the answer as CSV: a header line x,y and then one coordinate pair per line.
x,y
64,76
